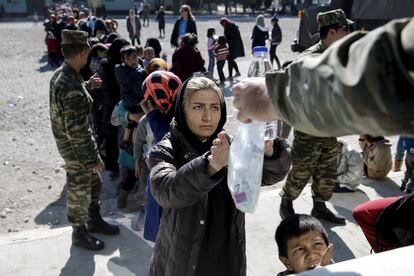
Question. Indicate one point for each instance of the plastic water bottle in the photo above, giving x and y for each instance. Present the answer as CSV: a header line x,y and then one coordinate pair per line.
x,y
245,168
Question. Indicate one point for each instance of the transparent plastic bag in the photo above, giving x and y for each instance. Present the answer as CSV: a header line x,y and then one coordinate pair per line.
x,y
245,168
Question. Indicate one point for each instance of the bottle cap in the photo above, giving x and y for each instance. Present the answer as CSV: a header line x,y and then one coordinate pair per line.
x,y
258,49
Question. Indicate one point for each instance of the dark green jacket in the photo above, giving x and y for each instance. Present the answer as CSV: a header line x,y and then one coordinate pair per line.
x,y
363,83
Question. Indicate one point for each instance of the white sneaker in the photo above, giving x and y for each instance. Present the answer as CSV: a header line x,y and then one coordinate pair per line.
x,y
138,222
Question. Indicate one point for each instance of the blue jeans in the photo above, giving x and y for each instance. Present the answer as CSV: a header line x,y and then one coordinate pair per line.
x,y
211,60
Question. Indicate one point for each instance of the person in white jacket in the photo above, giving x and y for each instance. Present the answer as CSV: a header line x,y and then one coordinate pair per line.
x,y
350,168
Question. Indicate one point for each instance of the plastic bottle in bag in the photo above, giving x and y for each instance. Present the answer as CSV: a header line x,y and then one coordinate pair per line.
x,y
247,149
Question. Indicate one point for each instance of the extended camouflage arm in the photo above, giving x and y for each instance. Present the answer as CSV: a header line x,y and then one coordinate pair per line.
x,y
363,83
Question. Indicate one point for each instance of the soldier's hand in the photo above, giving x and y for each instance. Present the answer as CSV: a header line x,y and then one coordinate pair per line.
x,y
252,101
95,82
97,169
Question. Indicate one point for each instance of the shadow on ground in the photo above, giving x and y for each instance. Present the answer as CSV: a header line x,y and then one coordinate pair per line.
x,y
133,259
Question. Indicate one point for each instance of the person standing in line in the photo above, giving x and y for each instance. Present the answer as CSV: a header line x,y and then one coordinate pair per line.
x,y
235,43
314,156
260,32
75,135
185,24
161,21
275,40
134,27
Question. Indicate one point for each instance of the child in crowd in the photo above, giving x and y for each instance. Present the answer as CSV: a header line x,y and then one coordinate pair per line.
x,y
408,181
221,51
161,21
350,169
99,54
160,88
52,45
140,53
211,44
303,244
376,153
149,54
130,78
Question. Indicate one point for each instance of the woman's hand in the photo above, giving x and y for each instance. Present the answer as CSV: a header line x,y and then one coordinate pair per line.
x,y
268,149
219,156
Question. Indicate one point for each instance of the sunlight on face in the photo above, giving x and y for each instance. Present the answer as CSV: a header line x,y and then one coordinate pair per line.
x,y
304,252
202,113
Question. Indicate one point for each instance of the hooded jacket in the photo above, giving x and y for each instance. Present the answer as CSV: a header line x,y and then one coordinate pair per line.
x,y
234,40
350,167
201,231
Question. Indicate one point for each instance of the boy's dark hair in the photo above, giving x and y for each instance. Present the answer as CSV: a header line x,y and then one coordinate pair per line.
x,y
98,47
189,40
323,31
295,226
210,32
72,50
222,40
127,50
140,49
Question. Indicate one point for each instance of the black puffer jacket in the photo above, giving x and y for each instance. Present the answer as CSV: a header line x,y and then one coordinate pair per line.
x,y
181,185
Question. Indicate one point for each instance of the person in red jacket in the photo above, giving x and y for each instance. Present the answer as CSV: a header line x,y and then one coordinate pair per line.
x,y
187,59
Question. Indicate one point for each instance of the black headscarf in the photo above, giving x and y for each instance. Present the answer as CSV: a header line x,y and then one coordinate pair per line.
x,y
181,125
114,55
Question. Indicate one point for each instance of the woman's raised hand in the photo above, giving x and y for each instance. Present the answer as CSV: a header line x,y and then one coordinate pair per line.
x,y
219,156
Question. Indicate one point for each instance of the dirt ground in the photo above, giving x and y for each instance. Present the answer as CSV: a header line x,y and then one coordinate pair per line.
x,y
32,179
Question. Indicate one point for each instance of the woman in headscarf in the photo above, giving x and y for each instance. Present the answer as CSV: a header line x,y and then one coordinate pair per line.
x,y
260,32
201,231
235,42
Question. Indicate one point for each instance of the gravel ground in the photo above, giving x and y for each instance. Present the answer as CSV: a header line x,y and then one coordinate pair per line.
x,y
32,180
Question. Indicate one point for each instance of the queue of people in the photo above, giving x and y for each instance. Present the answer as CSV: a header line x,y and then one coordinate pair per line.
x,y
159,127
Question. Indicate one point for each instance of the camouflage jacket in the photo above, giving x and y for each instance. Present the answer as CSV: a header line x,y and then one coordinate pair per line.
x,y
361,84
72,119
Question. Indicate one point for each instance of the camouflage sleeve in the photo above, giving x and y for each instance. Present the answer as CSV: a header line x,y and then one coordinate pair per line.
x,y
76,112
363,83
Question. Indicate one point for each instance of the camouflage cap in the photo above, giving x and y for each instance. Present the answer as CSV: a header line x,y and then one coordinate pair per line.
x,y
74,37
334,17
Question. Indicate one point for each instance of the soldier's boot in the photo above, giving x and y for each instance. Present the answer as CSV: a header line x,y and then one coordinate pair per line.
x,y
82,238
96,224
403,184
286,208
320,211
122,199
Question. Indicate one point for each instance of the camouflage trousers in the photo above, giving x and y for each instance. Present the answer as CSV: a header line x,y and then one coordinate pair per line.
x,y
84,190
314,157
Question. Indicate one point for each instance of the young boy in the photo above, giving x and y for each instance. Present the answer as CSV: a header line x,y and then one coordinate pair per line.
x,y
303,244
407,183
130,78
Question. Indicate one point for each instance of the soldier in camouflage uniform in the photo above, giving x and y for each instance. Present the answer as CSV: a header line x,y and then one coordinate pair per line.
x,y
316,156
74,131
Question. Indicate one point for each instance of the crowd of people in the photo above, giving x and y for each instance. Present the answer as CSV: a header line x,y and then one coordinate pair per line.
x,y
116,105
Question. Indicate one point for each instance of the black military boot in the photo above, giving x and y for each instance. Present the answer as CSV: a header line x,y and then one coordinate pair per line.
x,y
320,211
81,238
96,224
286,208
403,184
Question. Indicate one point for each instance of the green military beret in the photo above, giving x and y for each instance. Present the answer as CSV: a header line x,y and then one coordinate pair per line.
x,y
334,17
74,37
